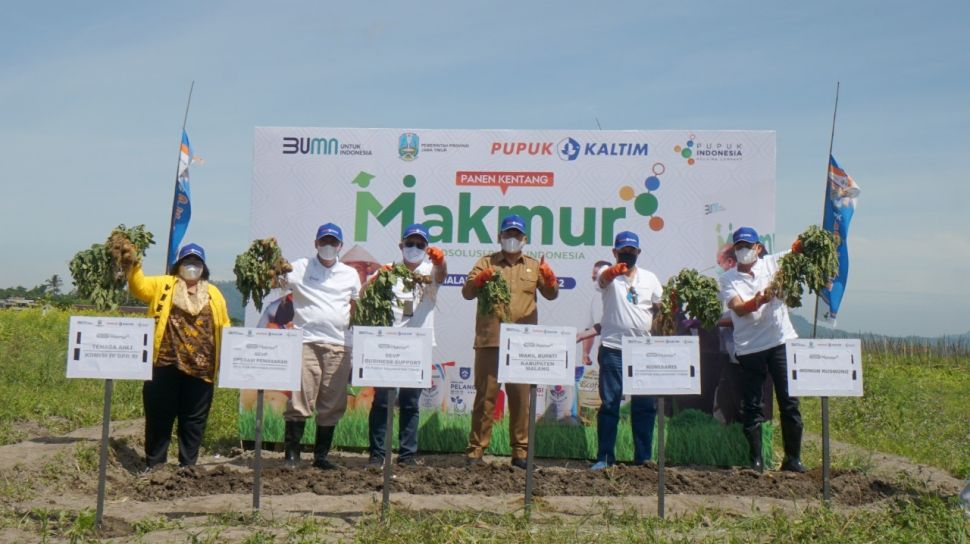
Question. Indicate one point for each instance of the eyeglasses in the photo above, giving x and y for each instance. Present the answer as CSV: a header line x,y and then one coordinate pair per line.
x,y
631,295
419,245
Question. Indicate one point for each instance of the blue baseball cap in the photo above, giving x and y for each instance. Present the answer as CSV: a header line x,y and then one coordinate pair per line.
x,y
329,229
191,249
746,234
416,229
626,239
513,222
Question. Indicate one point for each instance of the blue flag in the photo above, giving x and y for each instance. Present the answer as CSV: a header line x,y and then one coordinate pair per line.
x,y
182,204
841,194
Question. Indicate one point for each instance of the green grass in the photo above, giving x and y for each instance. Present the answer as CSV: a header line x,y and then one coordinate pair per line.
x,y
916,406
919,519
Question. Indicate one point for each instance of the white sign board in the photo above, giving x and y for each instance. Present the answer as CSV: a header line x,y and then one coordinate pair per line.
x,y
110,348
661,365
537,354
825,368
392,357
253,358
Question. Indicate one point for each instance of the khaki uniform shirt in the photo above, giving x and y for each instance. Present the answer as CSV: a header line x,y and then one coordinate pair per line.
x,y
523,279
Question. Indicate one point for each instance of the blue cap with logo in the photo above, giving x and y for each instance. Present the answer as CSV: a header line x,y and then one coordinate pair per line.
x,y
329,229
416,229
191,249
626,239
746,234
513,222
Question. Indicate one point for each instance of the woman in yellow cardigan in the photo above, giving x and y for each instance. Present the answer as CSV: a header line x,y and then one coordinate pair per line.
x,y
189,315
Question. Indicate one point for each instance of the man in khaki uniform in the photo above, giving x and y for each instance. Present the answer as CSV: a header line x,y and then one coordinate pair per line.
x,y
524,275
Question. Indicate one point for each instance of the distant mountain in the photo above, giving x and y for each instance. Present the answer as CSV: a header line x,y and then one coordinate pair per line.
x,y
804,329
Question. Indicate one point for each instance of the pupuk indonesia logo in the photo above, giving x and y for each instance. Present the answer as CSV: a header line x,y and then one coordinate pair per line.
x,y
646,204
407,146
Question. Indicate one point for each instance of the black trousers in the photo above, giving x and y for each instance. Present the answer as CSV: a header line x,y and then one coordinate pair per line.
x,y
173,394
755,368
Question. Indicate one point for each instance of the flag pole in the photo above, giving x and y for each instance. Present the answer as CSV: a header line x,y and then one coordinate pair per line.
x,y
828,160
171,224
826,454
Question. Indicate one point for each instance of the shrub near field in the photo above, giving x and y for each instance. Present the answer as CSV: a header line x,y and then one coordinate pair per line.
x,y
39,399
916,404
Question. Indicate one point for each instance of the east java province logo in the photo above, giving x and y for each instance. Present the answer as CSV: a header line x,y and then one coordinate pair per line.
x,y
407,146
647,203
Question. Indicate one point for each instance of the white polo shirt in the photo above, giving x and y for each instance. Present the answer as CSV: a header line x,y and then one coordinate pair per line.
x,y
421,298
621,317
321,300
768,326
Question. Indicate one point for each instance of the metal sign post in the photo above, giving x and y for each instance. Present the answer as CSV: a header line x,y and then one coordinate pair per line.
x,y
826,458
530,456
388,438
258,460
103,464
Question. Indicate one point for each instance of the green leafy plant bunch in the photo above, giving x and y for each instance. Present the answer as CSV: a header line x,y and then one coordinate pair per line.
x,y
260,269
494,298
692,295
813,262
99,272
376,305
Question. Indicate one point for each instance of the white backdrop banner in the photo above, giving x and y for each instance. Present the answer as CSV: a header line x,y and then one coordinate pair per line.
x,y
682,192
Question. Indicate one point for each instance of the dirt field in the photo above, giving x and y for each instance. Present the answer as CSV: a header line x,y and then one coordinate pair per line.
x,y
59,473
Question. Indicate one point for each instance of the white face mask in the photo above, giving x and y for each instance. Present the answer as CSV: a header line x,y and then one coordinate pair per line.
x,y
328,253
512,245
413,255
746,255
190,272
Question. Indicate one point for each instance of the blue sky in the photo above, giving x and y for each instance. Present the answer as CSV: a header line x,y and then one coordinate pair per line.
x,y
92,97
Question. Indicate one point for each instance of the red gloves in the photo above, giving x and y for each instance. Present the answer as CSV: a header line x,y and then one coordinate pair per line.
x,y
545,271
797,246
436,255
612,272
757,301
482,277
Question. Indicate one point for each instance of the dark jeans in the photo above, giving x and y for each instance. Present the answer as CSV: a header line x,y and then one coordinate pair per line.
x,y
643,411
755,368
173,394
407,425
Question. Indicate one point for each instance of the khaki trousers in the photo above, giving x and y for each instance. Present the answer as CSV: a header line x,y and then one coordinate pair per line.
x,y
326,371
486,389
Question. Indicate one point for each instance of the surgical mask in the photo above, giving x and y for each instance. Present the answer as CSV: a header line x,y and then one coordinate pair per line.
x,y
190,272
328,253
413,255
512,245
629,259
746,255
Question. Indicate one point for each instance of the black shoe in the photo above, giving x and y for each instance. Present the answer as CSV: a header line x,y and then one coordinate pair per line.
x,y
520,463
407,461
757,464
292,435
323,463
793,464
375,460
754,448
321,448
474,461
